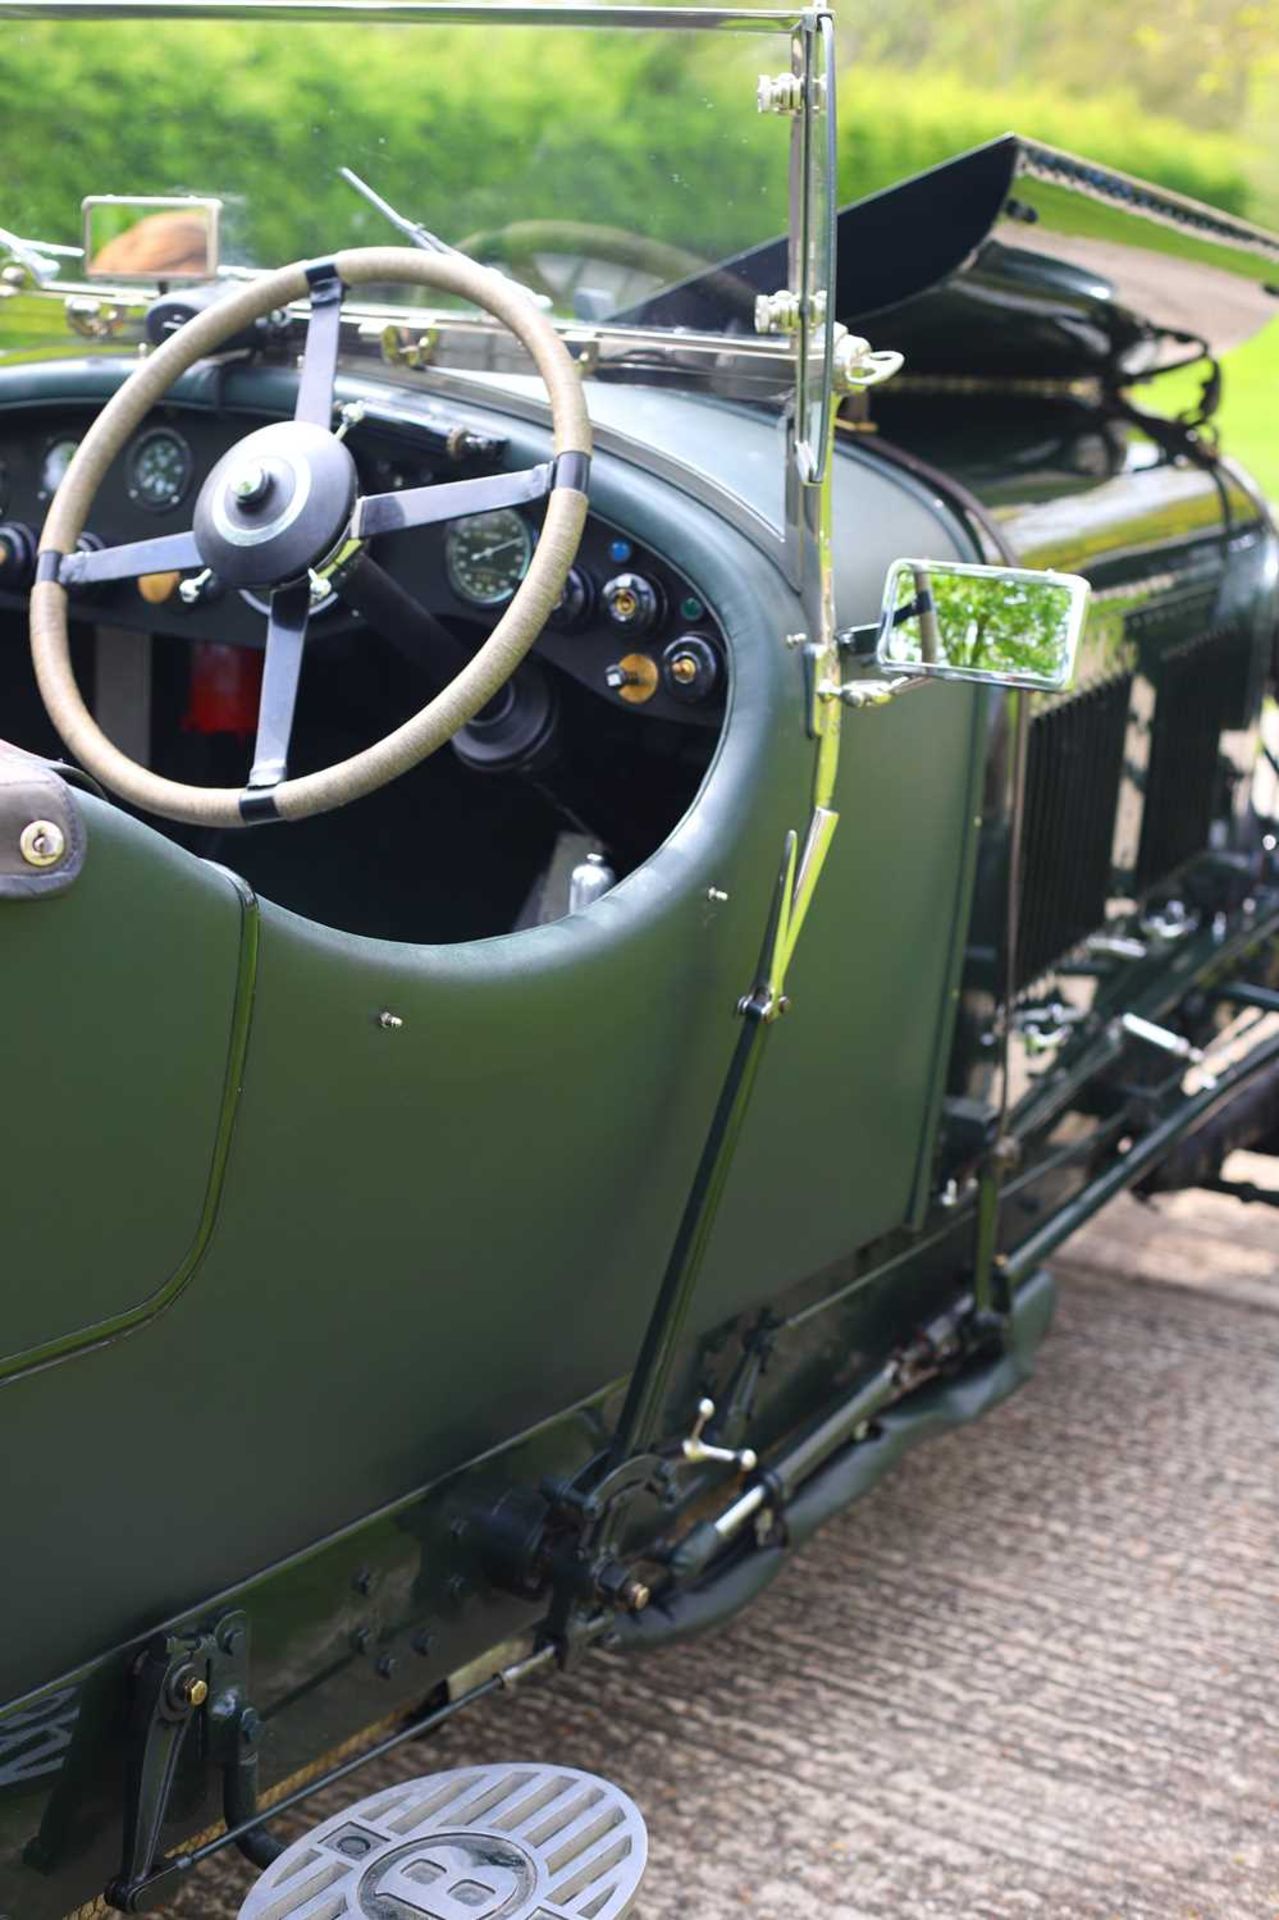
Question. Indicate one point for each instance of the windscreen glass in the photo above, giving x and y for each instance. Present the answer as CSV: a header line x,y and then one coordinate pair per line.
x,y
599,165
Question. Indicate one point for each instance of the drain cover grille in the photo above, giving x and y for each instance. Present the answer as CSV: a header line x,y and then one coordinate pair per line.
x,y
480,1843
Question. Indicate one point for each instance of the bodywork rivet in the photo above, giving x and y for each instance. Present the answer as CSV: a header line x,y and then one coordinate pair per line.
x,y
42,843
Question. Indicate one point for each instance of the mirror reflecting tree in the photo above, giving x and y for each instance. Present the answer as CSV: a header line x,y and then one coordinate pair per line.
x,y
1016,627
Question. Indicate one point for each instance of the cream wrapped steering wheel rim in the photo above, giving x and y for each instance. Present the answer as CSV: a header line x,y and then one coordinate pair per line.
x,y
284,500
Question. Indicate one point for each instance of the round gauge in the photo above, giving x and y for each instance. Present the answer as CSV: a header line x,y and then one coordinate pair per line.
x,y
57,458
159,469
487,556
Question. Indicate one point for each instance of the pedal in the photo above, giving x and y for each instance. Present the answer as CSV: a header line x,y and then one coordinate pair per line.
x,y
479,1843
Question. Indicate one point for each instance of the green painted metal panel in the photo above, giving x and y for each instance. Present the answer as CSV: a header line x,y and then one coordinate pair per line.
x,y
117,1023
830,1151
431,1237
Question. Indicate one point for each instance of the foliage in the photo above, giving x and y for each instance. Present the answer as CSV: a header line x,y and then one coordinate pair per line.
x,y
655,130
465,127
453,123
978,625
1249,417
1210,65
918,120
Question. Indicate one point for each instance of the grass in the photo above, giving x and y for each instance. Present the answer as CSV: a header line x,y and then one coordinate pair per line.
x,y
1249,416
1250,408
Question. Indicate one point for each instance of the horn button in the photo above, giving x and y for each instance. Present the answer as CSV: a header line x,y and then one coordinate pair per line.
x,y
275,505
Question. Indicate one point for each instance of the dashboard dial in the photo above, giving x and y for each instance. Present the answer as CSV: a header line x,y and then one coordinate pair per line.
x,y
159,470
487,556
57,458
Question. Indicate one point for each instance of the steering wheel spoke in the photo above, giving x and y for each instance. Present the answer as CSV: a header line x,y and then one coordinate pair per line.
x,y
449,499
92,567
279,505
320,354
281,673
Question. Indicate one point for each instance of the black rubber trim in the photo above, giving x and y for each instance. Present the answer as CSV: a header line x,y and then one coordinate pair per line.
x,y
572,470
257,805
323,274
49,564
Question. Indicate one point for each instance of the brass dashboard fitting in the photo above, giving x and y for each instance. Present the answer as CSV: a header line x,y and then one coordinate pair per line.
x,y
634,678
156,588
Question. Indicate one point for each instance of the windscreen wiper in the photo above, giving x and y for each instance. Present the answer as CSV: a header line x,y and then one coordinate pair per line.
x,y
413,230
39,257
422,237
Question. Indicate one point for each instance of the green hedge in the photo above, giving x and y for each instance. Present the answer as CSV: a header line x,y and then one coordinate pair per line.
x,y
895,124
471,128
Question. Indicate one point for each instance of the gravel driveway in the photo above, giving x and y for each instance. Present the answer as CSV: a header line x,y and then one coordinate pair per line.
x,y
1036,1672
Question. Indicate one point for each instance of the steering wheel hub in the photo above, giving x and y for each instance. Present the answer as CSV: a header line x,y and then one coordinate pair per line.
x,y
275,505
278,506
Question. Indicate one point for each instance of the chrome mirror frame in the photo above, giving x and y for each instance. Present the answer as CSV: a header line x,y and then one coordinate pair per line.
x,y
921,578
189,210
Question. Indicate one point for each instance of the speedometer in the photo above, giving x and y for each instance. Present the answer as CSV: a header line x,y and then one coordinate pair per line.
x,y
487,556
58,456
159,469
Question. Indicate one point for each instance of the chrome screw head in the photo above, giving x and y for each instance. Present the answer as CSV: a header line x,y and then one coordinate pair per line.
x,y
779,93
778,312
250,485
42,843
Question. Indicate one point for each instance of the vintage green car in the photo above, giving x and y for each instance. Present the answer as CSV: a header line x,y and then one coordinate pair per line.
x,y
507,590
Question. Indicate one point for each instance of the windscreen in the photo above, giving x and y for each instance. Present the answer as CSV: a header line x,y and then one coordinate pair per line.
x,y
597,164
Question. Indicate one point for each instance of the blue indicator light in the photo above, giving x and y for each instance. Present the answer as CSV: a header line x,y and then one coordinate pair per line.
x,y
620,550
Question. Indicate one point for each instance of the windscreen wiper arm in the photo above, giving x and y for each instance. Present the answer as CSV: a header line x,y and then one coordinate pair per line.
x,y
420,236
35,255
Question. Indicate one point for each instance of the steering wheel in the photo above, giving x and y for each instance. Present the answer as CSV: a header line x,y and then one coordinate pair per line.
x,y
284,500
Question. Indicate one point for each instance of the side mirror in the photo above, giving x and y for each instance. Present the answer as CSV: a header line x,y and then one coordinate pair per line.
x,y
1016,627
150,239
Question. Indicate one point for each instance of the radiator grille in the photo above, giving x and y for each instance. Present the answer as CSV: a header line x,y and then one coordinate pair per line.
x,y
1073,772
1203,690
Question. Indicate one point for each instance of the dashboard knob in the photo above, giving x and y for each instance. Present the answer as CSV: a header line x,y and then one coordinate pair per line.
x,y
634,678
631,602
17,556
575,603
690,668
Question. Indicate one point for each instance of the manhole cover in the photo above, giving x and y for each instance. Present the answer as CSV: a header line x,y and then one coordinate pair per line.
x,y
480,1843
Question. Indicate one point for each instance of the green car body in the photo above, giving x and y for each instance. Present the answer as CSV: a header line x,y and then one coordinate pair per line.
x,y
335,1222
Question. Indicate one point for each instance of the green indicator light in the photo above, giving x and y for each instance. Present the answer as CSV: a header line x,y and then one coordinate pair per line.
x,y
691,607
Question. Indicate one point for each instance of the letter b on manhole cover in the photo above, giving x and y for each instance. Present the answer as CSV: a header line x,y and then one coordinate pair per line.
x,y
480,1843
452,1876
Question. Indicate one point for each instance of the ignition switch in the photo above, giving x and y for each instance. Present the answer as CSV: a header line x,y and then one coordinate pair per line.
x,y
632,602
690,668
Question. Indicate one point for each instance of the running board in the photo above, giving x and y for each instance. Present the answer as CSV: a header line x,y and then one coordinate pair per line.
x,y
479,1843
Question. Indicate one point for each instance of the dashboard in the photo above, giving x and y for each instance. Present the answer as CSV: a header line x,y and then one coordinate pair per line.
x,y
629,628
